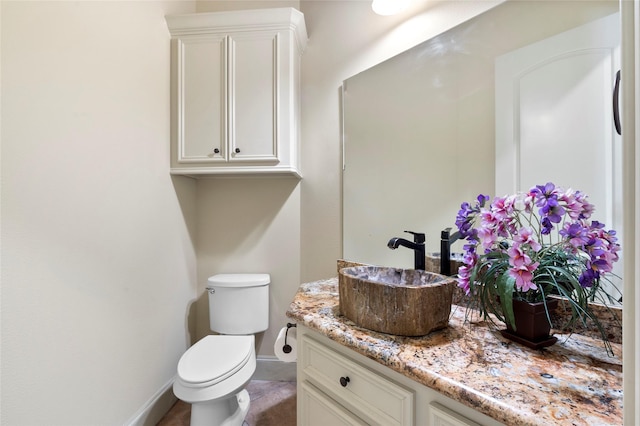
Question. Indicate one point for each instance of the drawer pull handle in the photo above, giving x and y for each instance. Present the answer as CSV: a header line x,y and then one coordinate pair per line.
x,y
344,381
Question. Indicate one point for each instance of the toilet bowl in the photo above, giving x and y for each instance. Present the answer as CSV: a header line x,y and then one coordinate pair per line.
x,y
212,375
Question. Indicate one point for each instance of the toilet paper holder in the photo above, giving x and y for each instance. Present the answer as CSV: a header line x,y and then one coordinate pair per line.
x,y
287,348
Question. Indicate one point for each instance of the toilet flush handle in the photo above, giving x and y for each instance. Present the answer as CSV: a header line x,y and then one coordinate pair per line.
x,y
212,290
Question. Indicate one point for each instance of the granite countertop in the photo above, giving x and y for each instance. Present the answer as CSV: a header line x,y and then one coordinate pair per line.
x,y
572,382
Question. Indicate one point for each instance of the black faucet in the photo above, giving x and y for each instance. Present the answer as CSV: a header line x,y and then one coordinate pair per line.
x,y
446,239
417,246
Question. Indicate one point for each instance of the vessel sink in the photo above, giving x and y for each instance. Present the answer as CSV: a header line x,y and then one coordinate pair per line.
x,y
404,302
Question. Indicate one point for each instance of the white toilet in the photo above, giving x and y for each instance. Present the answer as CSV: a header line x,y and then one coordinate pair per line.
x,y
212,373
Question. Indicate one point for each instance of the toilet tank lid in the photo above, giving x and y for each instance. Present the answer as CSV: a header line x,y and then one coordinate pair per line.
x,y
239,280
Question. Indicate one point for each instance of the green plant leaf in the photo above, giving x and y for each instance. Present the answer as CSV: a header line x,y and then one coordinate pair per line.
x,y
506,285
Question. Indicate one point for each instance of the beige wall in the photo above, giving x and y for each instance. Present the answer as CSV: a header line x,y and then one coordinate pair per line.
x,y
98,264
250,225
101,290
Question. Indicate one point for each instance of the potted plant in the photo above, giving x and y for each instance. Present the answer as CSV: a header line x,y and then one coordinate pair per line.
x,y
533,248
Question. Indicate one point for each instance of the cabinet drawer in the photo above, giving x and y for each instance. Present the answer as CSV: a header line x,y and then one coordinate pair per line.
x,y
372,397
439,415
317,409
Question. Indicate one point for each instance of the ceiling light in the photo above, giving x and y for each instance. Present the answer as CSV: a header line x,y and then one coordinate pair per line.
x,y
389,7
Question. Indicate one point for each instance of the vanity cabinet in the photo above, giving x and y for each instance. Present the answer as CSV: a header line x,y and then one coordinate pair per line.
x,y
235,79
337,386
331,376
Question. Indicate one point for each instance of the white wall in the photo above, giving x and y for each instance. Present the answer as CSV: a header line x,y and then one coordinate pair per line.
x,y
98,264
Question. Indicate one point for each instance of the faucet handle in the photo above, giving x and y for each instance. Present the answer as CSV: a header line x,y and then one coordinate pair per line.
x,y
418,237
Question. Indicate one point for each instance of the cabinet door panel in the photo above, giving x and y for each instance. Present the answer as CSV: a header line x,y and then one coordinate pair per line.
x,y
201,90
253,87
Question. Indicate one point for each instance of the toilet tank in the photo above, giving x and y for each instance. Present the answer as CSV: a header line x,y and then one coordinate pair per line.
x,y
239,303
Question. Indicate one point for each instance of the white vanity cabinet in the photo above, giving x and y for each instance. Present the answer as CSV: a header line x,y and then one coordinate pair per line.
x,y
337,386
355,389
235,80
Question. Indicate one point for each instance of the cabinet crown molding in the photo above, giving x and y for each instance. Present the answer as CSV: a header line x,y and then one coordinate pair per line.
x,y
277,18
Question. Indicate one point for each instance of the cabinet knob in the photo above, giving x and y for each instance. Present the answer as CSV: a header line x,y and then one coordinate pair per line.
x,y
216,151
237,150
344,381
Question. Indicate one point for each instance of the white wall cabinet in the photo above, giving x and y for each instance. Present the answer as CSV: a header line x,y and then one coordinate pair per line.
x,y
338,386
235,92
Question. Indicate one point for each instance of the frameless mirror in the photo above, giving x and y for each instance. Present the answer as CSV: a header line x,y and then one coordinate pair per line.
x,y
421,129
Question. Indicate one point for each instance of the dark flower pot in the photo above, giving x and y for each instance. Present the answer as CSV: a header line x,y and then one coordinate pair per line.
x,y
532,325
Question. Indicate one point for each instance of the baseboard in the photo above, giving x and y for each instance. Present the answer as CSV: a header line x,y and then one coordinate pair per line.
x,y
156,407
271,368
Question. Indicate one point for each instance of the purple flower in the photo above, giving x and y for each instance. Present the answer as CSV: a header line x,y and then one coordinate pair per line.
x,y
517,257
529,200
526,236
487,236
576,234
464,272
510,234
502,208
464,219
588,277
482,199
547,226
587,208
464,275
524,276
552,210
577,205
542,193
470,256
546,197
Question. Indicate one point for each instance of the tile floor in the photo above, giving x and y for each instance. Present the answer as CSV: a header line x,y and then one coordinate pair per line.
x,y
272,404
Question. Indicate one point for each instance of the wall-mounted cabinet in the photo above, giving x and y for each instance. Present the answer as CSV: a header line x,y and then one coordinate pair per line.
x,y
235,80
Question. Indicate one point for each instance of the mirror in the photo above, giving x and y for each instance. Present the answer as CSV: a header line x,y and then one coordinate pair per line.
x,y
420,128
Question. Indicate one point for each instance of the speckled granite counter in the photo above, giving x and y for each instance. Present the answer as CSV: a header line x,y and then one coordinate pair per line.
x,y
573,382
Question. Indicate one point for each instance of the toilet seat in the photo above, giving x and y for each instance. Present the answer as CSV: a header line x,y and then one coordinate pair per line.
x,y
213,359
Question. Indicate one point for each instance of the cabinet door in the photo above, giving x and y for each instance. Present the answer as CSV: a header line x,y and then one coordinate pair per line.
x,y
318,409
201,99
253,96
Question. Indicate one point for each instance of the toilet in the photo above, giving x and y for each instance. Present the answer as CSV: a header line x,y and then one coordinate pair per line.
x,y
213,373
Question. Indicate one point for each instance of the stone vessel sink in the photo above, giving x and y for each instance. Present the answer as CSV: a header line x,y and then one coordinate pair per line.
x,y
402,302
